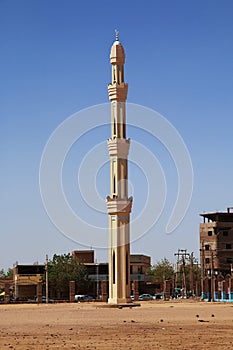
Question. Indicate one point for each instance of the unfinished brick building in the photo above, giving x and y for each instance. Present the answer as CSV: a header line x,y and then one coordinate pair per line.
x,y
216,249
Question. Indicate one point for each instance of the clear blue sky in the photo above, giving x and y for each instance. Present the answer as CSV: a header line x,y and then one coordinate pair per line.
x,y
55,61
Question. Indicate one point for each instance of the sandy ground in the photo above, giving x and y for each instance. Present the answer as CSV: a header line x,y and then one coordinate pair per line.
x,y
154,325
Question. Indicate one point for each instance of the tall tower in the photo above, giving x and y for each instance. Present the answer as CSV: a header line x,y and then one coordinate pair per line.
x,y
118,203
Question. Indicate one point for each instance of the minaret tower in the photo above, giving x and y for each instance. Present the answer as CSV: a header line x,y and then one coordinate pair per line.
x,y
118,203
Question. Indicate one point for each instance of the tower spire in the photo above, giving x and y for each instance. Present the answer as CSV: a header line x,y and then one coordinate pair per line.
x,y
117,34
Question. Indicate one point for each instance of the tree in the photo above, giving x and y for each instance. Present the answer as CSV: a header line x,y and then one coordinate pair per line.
x,y
8,274
61,270
162,270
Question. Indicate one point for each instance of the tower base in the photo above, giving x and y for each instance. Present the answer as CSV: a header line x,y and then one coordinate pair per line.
x,y
117,301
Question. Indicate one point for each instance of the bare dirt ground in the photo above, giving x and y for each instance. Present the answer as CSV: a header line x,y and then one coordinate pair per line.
x,y
155,325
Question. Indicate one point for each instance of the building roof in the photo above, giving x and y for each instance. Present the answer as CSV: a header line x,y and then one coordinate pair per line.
x,y
218,216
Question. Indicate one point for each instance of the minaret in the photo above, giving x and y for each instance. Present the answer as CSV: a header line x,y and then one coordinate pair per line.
x,y
118,203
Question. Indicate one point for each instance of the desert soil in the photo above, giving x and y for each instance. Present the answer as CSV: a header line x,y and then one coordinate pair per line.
x,y
155,325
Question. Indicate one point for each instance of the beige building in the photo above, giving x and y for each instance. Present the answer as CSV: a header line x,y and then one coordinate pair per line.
x,y
118,203
26,279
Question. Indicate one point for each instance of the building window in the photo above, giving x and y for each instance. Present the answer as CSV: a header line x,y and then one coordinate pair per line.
x,y
207,247
209,233
228,246
229,260
225,233
207,260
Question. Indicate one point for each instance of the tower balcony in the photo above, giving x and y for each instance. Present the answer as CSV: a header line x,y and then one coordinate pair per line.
x,y
116,205
118,92
118,147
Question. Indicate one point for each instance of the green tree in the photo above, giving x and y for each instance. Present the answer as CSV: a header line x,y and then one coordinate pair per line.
x,y
8,274
61,270
162,270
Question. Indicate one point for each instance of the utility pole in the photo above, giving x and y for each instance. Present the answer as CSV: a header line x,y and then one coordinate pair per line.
x,y
202,256
212,276
46,280
182,256
177,267
184,277
191,274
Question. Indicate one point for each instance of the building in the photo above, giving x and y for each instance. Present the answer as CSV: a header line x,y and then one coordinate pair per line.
x,y
118,203
6,290
216,242
138,265
83,256
216,254
98,271
26,279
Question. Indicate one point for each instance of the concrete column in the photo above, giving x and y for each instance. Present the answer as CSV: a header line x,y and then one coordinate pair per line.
x,y
7,293
104,291
72,291
167,287
39,292
135,290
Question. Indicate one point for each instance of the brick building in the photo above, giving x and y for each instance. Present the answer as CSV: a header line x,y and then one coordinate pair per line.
x,y
216,255
216,242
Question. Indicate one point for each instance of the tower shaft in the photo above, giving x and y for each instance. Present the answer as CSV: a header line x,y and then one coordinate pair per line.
x,y
118,203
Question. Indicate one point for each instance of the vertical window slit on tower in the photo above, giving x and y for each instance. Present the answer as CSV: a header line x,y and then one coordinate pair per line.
x,y
114,184
118,74
114,74
118,130
113,267
124,133
114,127
127,270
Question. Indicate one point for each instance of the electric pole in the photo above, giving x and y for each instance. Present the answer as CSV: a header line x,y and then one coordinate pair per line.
x,y
46,281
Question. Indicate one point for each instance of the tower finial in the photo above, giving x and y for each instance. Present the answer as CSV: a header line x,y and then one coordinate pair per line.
x,y
117,34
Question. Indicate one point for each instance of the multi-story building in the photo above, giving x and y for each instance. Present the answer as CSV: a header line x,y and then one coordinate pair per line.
x,y
139,263
216,243
26,279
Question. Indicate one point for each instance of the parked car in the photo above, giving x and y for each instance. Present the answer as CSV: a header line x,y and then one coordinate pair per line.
x,y
84,297
79,297
145,297
43,299
49,299
158,296
89,298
